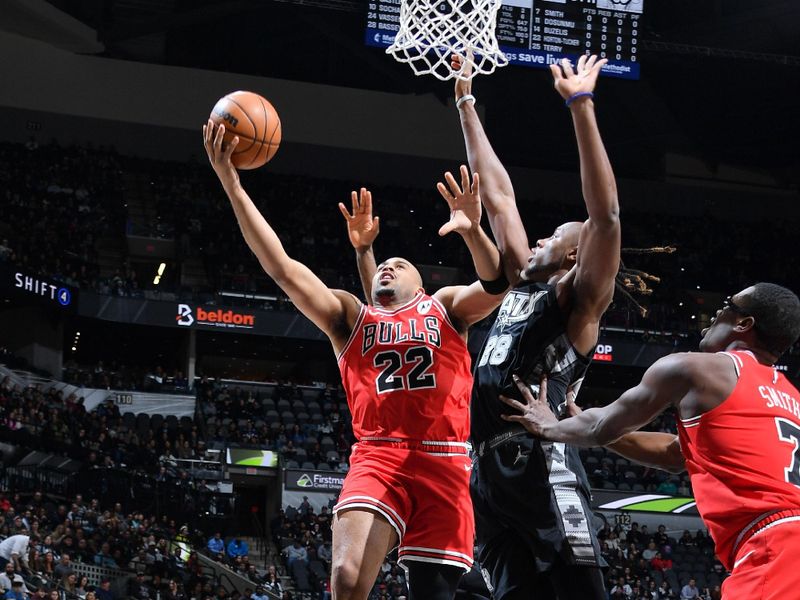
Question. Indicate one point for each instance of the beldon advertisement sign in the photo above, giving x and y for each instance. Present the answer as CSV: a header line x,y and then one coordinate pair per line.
x,y
189,316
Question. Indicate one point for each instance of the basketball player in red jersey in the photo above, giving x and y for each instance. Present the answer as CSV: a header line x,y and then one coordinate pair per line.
x,y
406,370
738,436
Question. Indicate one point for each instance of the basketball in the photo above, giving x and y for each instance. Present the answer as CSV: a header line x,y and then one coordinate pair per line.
x,y
255,121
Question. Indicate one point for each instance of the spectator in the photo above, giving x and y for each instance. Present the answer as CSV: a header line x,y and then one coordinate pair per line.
x,y
622,589
64,567
325,553
9,576
104,558
259,594
139,589
660,563
216,544
690,591
17,592
14,549
650,552
104,591
295,552
237,547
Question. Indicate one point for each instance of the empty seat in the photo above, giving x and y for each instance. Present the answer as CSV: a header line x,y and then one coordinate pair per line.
x,y
298,406
327,444
302,418
308,465
314,407
292,464
287,417
156,421
283,404
332,456
272,416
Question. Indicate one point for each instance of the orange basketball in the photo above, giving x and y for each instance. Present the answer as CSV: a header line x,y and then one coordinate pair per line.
x,y
257,124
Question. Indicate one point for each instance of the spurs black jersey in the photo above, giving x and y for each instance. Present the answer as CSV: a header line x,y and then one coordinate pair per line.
x,y
528,338
524,484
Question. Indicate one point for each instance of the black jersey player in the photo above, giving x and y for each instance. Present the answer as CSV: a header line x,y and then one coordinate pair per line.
x,y
531,499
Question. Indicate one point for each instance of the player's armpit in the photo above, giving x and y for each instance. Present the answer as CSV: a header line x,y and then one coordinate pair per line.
x,y
467,304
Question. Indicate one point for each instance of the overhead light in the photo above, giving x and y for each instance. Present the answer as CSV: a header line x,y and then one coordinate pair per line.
x,y
77,334
74,348
156,279
161,268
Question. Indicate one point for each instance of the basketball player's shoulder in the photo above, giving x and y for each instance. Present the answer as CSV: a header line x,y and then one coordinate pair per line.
x,y
693,367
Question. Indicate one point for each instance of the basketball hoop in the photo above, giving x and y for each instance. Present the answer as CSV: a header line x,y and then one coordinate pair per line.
x,y
432,30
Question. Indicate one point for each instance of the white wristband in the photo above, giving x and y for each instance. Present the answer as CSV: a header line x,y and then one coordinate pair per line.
x,y
465,98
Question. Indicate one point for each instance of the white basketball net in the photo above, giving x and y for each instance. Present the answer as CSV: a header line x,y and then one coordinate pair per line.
x,y
432,30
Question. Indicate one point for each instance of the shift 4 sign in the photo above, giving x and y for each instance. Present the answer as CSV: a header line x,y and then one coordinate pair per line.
x,y
42,288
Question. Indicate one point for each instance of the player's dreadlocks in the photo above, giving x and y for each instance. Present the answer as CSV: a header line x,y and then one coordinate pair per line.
x,y
633,281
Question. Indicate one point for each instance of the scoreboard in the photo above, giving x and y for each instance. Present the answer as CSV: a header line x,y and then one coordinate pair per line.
x,y
536,33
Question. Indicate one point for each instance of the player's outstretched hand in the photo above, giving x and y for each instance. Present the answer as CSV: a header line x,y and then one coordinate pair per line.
x,y
362,227
463,88
536,415
464,201
569,81
219,157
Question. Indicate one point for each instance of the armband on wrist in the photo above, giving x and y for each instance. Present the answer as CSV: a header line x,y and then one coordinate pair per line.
x,y
465,98
498,286
574,97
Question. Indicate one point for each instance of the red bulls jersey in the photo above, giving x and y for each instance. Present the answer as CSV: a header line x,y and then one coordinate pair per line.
x,y
407,374
744,455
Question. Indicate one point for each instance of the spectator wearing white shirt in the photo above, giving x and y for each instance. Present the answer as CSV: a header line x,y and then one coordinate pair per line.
x,y
14,549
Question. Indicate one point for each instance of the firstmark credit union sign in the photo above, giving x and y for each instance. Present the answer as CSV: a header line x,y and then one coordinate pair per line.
x,y
313,481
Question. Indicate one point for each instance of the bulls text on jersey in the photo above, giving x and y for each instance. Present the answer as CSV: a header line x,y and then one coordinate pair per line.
x,y
388,333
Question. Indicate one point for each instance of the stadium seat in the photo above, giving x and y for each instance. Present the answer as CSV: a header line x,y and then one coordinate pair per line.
x,y
314,407
156,421
268,404
316,419
308,465
283,404
624,487
302,417
272,416
287,417
327,444
298,406
292,464
607,485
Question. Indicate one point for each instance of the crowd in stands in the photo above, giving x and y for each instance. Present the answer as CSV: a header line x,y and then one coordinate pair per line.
x,y
642,565
646,565
47,540
310,427
59,203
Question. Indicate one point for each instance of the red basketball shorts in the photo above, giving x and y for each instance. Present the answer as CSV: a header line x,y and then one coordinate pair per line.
x,y
766,565
422,489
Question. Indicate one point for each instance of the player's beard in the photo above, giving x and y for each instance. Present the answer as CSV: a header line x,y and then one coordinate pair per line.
x,y
387,293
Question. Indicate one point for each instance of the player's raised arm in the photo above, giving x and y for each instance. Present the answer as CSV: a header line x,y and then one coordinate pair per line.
x,y
333,311
468,304
498,193
362,229
599,248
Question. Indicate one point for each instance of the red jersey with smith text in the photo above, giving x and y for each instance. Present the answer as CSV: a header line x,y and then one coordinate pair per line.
x,y
744,455
407,374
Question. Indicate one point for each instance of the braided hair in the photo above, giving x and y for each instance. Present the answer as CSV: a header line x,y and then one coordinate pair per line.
x,y
633,281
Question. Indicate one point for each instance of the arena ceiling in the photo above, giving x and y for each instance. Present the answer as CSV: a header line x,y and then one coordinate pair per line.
x,y
720,77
